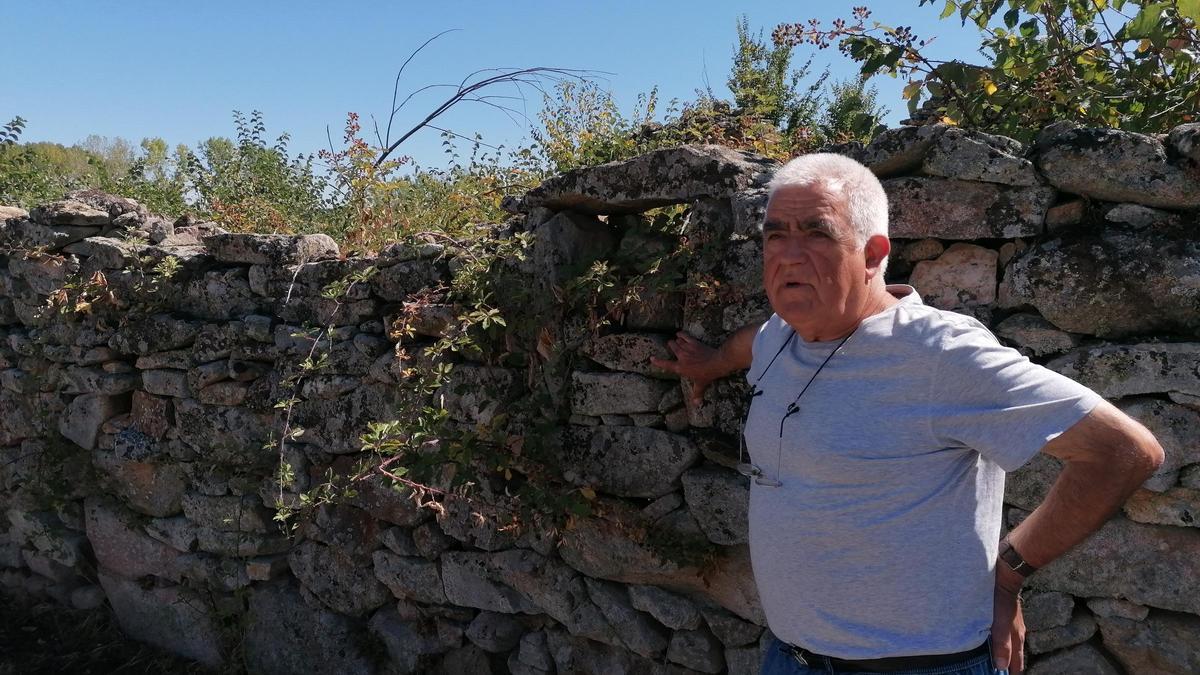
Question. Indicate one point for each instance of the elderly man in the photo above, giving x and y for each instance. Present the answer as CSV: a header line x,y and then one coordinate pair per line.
x,y
879,432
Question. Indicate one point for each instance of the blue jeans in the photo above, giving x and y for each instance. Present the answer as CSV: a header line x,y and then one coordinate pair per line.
x,y
780,661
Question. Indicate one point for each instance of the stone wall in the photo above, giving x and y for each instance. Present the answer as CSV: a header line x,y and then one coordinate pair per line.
x,y
137,467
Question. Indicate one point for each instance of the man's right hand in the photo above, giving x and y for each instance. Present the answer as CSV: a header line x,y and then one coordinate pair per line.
x,y
701,364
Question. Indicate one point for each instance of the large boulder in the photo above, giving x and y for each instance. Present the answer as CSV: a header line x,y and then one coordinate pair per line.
x,y
1115,166
946,208
1113,282
657,178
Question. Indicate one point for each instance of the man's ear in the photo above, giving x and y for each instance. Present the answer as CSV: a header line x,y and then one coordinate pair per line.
x,y
878,247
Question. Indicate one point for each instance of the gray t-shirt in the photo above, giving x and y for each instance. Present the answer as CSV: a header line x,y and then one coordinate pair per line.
x,y
882,539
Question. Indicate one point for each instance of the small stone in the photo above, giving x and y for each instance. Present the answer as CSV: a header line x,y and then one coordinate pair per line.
x,y
267,568
223,393
922,249
409,578
1177,506
162,382
86,413
1111,607
469,583
729,629
1034,335
1067,214
1046,610
698,650
1080,659
963,276
637,631
630,352
671,610
495,632
430,540
1081,628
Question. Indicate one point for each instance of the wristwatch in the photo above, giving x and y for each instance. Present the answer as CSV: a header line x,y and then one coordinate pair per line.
x,y
1014,560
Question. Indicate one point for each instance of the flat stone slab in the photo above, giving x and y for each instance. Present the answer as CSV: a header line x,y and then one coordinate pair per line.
x,y
628,461
1114,371
1115,166
657,178
945,208
270,249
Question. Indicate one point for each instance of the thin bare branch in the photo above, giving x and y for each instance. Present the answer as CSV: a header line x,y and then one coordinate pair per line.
x,y
396,86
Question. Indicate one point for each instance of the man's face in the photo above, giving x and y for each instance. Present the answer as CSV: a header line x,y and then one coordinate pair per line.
x,y
812,263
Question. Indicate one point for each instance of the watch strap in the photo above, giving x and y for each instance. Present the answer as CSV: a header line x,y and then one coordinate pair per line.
x,y
1013,559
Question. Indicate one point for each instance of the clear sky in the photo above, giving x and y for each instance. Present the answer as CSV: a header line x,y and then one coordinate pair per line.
x,y
176,70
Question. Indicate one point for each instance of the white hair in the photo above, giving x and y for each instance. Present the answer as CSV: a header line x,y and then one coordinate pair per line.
x,y
861,192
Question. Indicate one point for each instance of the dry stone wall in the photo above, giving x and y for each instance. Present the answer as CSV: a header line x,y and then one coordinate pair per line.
x,y
137,471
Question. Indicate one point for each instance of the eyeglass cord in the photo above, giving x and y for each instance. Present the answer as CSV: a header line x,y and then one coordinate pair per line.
x,y
792,408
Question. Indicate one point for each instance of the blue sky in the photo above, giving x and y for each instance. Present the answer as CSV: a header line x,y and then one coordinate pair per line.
x,y
177,70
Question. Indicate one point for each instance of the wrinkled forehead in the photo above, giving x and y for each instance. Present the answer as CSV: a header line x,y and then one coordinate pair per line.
x,y
798,205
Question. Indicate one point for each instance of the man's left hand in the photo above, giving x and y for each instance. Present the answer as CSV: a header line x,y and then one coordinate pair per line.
x,y
1008,624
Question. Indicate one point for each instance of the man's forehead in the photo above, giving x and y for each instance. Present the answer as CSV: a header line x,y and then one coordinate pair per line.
x,y
800,202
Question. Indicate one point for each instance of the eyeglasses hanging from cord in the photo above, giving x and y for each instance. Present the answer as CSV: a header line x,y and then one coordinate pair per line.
x,y
749,469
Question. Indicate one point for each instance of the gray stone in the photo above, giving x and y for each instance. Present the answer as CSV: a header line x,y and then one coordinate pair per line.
x,y
698,650
495,632
1067,214
156,333
152,488
1111,607
397,282
729,629
476,393
285,635
106,252
410,578
743,660
749,209
1111,282
44,275
557,590
1114,371
431,541
628,461
1184,141
566,244
240,544
86,413
658,178
231,513
1153,565
1163,643
1139,216
1079,629
670,609
177,532
223,435
630,352
1035,336
599,394
213,572
950,209
637,631
266,568
1115,166
343,583
121,546
577,655
1046,610
1177,506
899,150
1080,659
170,618
1027,486
70,212
1177,429
465,659
399,541
719,499
973,155
535,652
270,249
470,582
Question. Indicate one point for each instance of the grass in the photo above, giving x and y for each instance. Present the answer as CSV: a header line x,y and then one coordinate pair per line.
x,y
48,638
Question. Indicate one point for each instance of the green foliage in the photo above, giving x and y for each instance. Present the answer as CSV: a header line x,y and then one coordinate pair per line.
x,y
583,126
1117,63
765,86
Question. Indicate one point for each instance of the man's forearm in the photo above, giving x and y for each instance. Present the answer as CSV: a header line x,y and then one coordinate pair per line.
x,y
1102,467
736,352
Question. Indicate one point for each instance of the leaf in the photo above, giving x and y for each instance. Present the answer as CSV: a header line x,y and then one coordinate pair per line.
x,y
1145,24
1189,9
588,493
911,90
989,87
950,121
948,9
